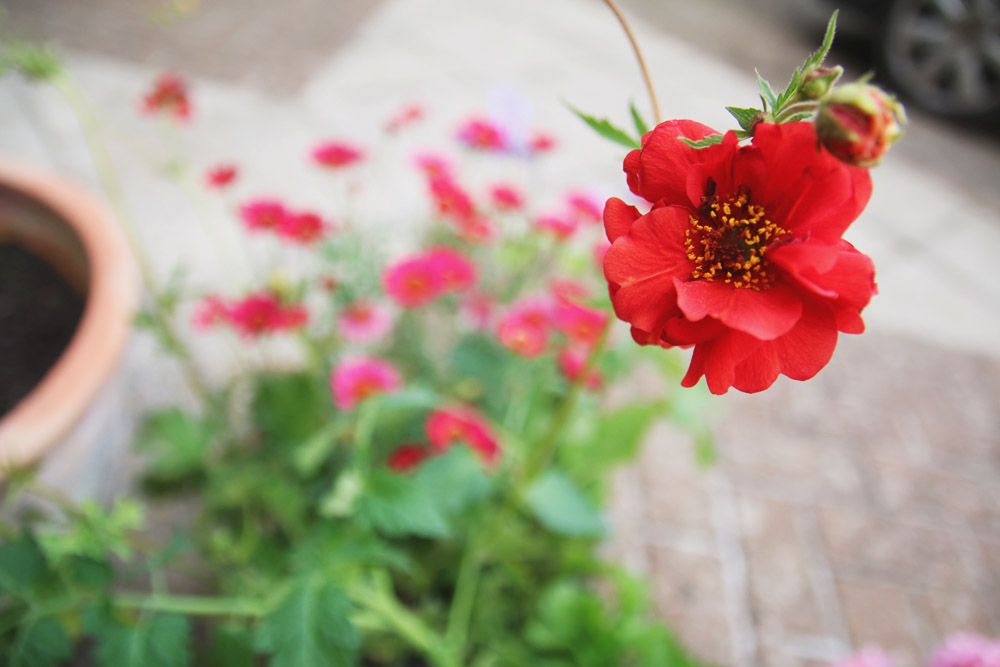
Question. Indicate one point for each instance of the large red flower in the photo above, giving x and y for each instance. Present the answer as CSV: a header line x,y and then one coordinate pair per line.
x,y
741,255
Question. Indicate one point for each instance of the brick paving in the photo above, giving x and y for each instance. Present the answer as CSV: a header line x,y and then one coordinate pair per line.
x,y
862,507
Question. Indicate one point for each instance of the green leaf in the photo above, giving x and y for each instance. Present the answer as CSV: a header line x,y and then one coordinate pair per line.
x,y
43,643
177,443
640,125
310,455
831,31
604,128
88,573
232,646
766,93
615,440
710,140
21,563
395,505
289,408
562,508
311,626
454,481
791,90
744,116
155,641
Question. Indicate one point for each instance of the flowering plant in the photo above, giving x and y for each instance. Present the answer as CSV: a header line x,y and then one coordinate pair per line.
x,y
419,480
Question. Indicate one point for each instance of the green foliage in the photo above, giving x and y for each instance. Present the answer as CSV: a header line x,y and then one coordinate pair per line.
x,y
22,563
640,125
231,646
177,443
562,507
744,116
155,640
605,128
767,95
710,140
395,505
38,62
614,440
40,643
310,626
96,532
288,408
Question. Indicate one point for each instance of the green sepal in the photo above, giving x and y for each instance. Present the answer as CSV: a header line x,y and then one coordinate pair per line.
x,y
745,116
824,48
710,140
766,92
604,128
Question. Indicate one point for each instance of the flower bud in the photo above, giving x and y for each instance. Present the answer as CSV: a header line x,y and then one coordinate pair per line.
x,y
818,81
858,122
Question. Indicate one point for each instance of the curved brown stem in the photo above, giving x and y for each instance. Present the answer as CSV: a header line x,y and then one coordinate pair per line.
x,y
613,6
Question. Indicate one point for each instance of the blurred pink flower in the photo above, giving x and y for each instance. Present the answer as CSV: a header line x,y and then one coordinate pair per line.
x,y
482,134
449,426
211,312
169,97
354,380
364,322
477,308
303,227
524,329
506,197
456,271
869,656
966,650
408,115
542,142
571,363
585,207
263,313
407,457
433,166
560,226
578,323
263,214
450,199
221,176
413,281
336,155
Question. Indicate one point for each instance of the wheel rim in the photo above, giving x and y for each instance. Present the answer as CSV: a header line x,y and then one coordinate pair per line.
x,y
945,54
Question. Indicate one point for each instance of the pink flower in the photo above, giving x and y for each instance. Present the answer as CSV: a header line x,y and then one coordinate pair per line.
x,y
433,166
355,380
336,155
506,197
413,281
966,650
579,324
304,228
571,363
407,457
568,289
211,312
870,656
542,142
448,426
560,226
450,199
221,176
408,115
476,308
525,328
585,207
263,313
482,134
476,229
364,322
263,214
457,273
169,97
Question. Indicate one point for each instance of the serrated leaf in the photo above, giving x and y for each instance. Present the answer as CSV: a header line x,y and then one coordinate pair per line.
x,y
155,641
710,140
604,128
744,116
640,125
22,562
394,505
311,626
561,507
43,643
791,90
766,93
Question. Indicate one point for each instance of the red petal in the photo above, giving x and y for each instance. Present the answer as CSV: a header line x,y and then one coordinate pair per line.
x,y
618,217
717,360
766,314
660,170
643,264
808,347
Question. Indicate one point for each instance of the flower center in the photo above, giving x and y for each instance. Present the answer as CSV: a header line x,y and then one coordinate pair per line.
x,y
729,240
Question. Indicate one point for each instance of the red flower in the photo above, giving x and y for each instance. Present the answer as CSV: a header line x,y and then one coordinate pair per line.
x,y
221,176
413,281
407,457
525,328
741,255
354,380
169,96
336,155
456,271
263,313
858,123
446,427
263,214
304,228
482,134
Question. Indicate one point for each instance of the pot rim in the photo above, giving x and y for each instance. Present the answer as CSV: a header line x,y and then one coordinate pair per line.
x,y
43,417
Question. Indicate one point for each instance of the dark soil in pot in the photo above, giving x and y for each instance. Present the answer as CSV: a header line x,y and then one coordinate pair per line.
x,y
39,312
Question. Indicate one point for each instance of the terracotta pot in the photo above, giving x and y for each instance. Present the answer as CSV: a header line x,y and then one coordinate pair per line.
x,y
67,227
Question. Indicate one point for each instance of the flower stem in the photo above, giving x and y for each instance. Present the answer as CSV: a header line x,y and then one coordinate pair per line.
x,y
193,605
106,172
466,584
613,6
783,114
543,452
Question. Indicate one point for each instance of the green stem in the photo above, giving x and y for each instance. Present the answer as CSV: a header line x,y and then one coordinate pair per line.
x,y
109,181
783,114
192,605
545,450
466,585
379,600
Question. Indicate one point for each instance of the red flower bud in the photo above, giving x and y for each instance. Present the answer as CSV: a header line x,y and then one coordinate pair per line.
x,y
858,122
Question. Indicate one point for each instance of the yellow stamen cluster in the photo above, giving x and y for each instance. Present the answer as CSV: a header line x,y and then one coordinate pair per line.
x,y
729,241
